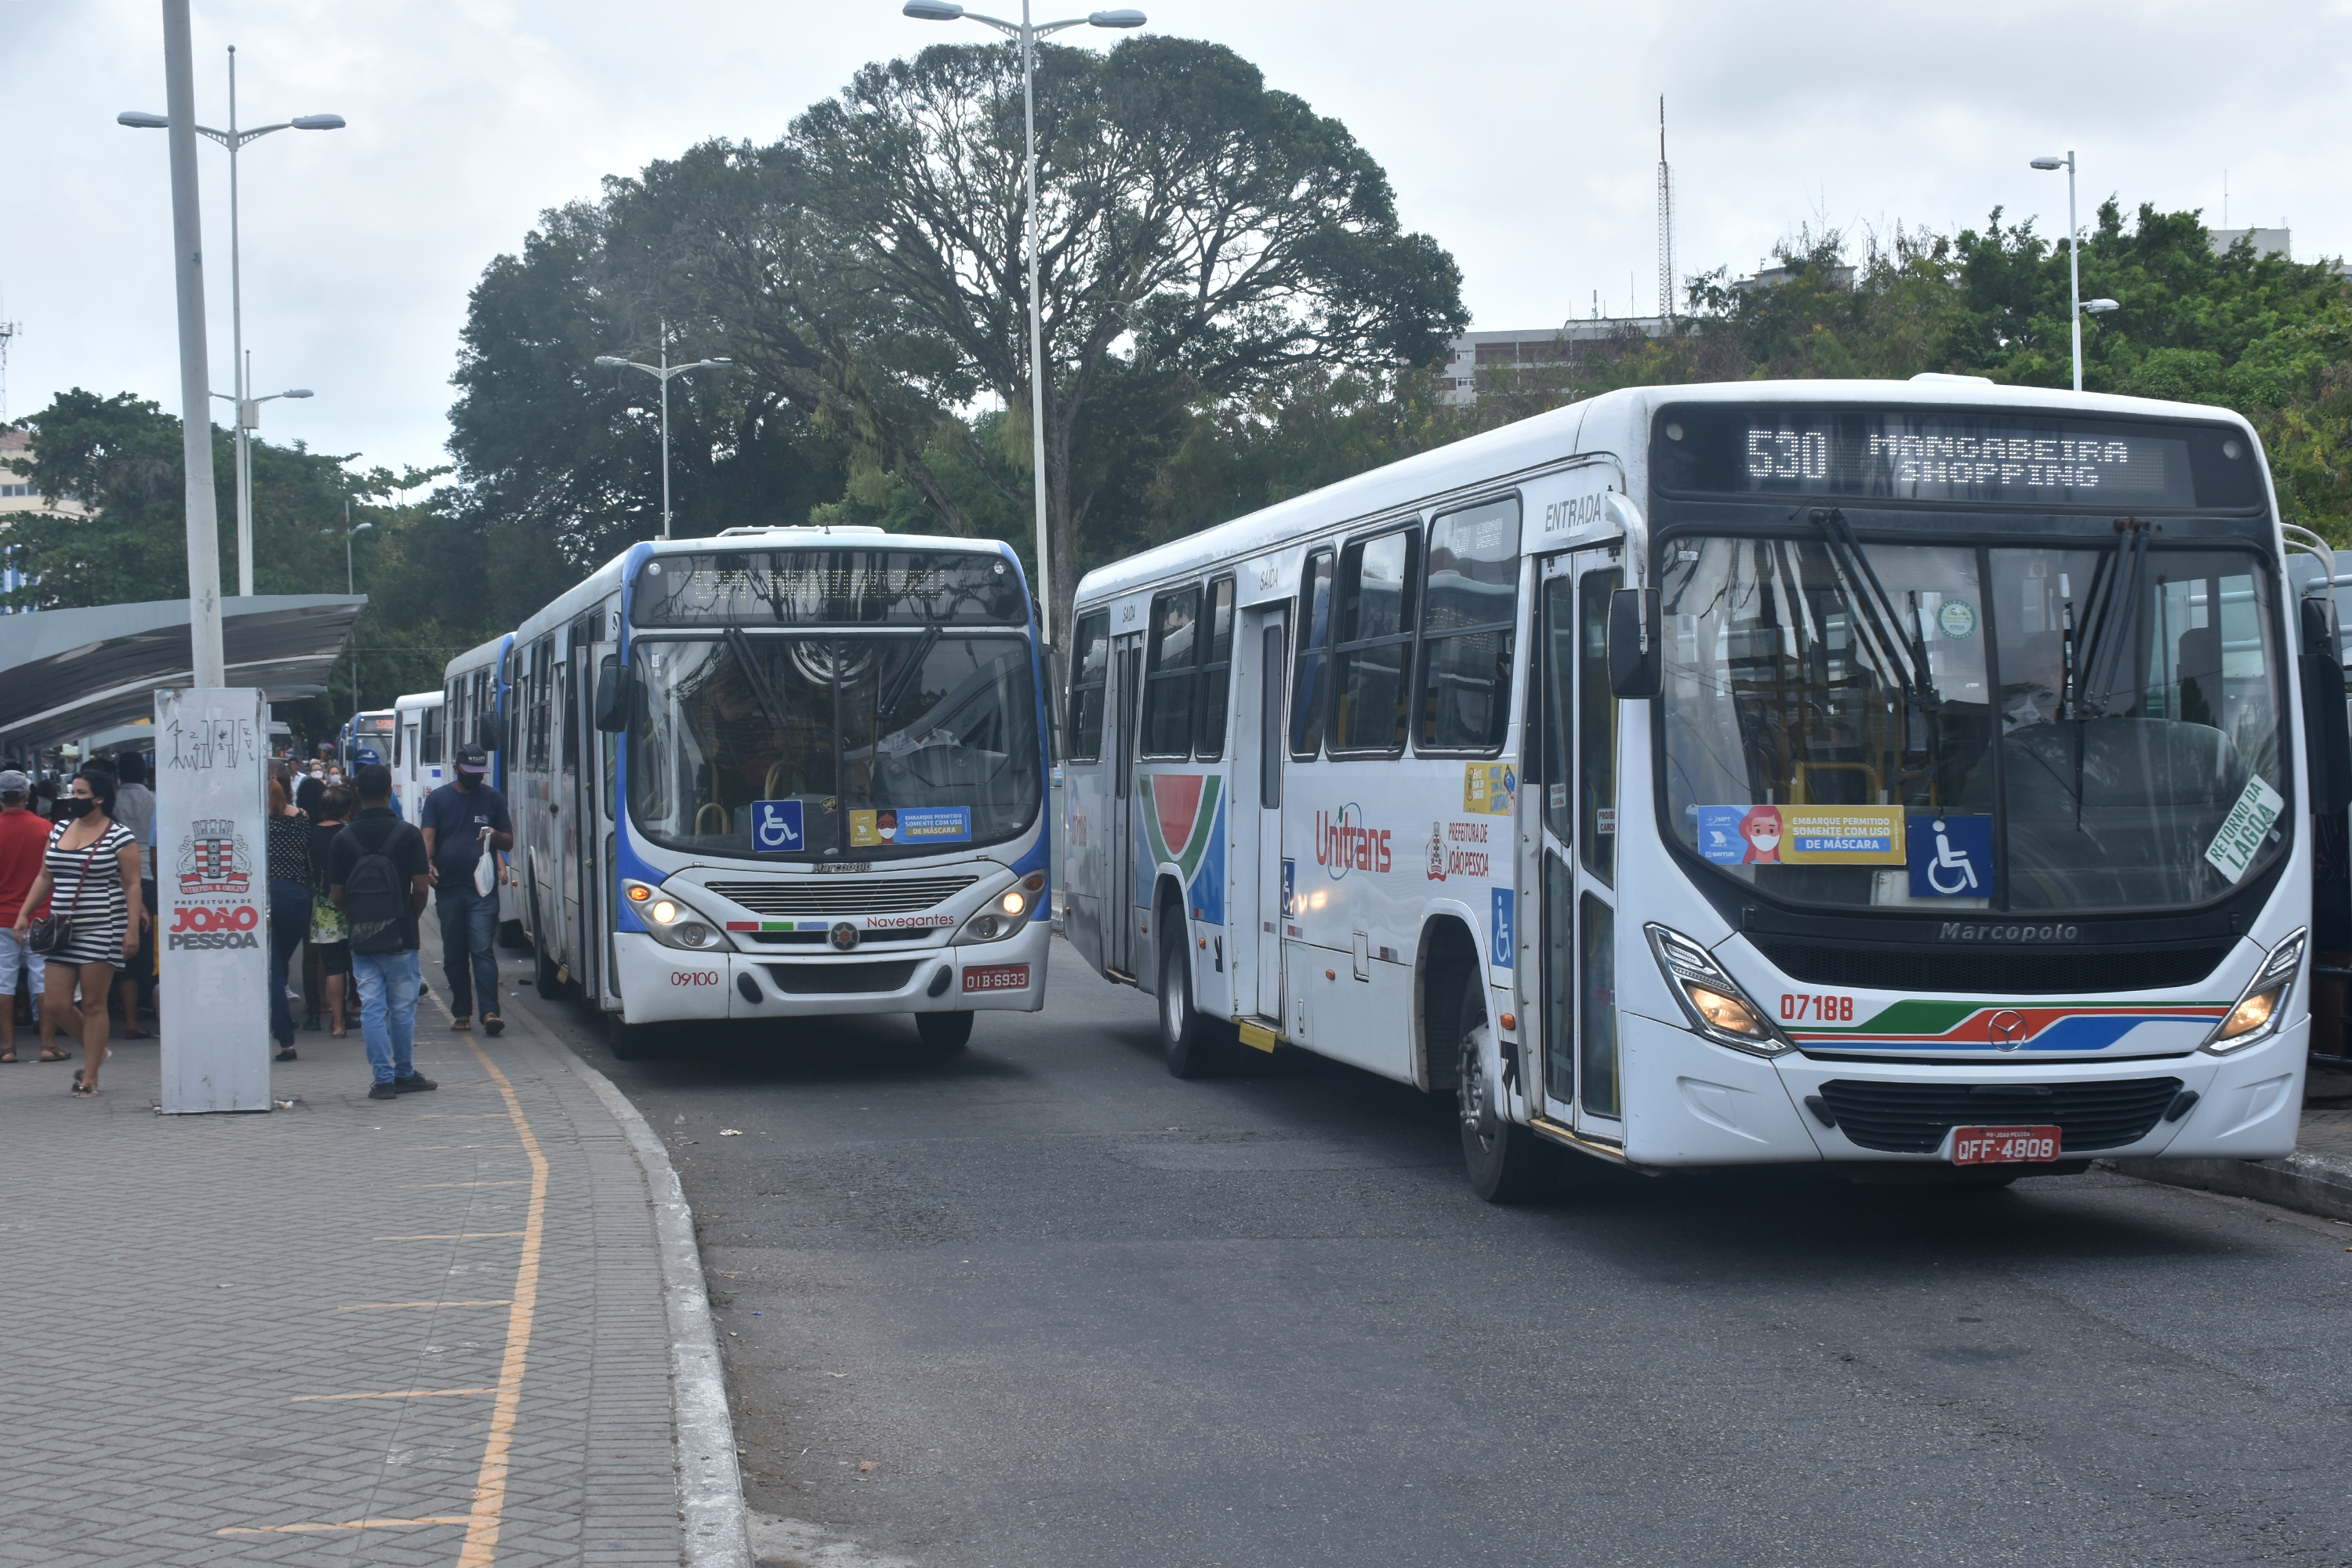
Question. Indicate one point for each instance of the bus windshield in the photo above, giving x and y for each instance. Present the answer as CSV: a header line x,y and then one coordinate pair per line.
x,y
2059,729
892,744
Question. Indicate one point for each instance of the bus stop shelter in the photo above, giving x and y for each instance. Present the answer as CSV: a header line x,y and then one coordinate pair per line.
x,y
67,674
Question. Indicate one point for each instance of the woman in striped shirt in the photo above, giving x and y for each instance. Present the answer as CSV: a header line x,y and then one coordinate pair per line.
x,y
92,863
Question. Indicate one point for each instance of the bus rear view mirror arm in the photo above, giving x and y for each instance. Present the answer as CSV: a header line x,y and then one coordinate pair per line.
x,y
1635,670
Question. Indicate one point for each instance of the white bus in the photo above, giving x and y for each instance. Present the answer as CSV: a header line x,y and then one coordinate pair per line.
x,y
474,700
1880,773
785,773
418,765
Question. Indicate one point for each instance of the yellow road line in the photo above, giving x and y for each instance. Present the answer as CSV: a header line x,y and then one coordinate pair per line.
x,y
490,1486
398,1394
352,1524
388,1306
454,1235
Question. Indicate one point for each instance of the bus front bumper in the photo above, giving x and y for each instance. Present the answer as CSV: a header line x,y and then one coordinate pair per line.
x,y
1710,1105
661,983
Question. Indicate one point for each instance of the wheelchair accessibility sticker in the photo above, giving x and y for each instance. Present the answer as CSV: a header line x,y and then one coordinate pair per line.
x,y
1951,857
776,827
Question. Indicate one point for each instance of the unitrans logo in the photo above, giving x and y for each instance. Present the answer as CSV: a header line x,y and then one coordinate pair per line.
x,y
1347,844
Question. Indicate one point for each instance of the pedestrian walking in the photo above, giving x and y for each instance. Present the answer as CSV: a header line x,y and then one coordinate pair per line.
x,y
289,907
330,944
134,807
24,839
378,876
464,821
90,866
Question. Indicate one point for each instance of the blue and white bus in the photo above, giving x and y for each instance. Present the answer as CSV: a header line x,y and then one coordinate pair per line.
x,y
475,711
366,738
785,773
1918,778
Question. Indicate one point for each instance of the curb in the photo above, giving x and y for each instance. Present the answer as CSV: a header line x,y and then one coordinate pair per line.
x,y
2310,1183
716,1526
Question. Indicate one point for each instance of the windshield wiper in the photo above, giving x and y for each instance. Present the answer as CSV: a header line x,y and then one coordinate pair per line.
x,y
763,697
2112,625
1908,657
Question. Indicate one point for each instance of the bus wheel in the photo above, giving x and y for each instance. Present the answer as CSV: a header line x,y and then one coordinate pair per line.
x,y
1184,1034
1507,1162
546,976
944,1031
627,1042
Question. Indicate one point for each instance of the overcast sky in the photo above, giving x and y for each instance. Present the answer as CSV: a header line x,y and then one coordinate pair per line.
x,y
1524,137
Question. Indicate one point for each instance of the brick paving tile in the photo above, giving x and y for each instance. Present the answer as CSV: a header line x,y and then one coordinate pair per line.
x,y
179,1281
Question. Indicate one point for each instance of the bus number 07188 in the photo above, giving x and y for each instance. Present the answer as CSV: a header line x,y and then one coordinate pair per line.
x,y
1798,1006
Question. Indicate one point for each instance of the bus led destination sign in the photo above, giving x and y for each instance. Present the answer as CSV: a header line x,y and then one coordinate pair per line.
x,y
1949,455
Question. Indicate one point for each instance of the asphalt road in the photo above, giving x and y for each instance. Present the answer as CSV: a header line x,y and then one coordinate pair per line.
x,y
1038,1303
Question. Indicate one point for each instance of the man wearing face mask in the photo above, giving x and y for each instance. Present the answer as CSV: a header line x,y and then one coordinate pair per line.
x,y
463,821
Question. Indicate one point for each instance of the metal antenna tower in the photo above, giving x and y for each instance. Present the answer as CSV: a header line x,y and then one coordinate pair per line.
x,y
8,331
1665,222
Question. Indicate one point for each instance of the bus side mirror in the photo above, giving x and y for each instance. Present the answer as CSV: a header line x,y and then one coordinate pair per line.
x,y
1635,670
2326,726
611,696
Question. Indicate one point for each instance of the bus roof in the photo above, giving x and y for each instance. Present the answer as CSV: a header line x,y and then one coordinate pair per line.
x,y
1541,440
416,701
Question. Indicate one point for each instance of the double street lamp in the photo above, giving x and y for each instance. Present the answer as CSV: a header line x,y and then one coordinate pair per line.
x,y
248,408
1026,35
664,373
2050,163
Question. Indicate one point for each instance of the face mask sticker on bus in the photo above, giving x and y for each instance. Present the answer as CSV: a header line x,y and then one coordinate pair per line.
x,y
910,824
1951,857
1488,789
1802,834
2244,829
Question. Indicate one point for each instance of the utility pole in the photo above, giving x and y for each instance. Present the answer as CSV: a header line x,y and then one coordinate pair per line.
x,y
207,654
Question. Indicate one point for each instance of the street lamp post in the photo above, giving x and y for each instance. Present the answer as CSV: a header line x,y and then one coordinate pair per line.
x,y
350,532
247,411
1026,35
2074,257
663,372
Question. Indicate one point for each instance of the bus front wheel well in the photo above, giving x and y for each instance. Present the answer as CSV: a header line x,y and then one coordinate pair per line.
x,y
1448,961
1167,909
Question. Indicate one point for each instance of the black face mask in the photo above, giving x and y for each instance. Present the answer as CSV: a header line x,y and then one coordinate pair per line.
x,y
76,805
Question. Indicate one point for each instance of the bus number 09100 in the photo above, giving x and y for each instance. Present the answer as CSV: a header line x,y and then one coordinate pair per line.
x,y
1801,1006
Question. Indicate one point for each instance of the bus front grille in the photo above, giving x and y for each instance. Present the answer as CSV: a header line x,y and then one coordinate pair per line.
x,y
1998,972
840,979
819,898
1912,1118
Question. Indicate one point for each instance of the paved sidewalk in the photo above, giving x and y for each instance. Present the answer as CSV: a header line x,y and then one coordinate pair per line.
x,y
428,1331
2315,1179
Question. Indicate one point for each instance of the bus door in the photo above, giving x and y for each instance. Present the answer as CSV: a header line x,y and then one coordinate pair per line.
x,y
1121,947
571,689
598,878
1254,856
1577,801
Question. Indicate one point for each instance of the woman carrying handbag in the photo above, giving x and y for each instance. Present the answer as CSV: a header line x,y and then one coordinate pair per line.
x,y
91,863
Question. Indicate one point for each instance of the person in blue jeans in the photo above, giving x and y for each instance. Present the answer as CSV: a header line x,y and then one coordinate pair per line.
x,y
388,981
464,820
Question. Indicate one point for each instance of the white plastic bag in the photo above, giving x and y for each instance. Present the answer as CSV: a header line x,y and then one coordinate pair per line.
x,y
485,868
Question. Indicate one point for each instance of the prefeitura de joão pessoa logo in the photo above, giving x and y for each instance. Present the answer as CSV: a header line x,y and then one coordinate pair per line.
x,y
213,859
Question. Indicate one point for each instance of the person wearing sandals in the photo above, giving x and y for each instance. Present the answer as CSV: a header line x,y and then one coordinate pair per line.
x,y
331,932
92,863
289,907
24,840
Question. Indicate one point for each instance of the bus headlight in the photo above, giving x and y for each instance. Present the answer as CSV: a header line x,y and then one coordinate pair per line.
x,y
671,921
2261,1006
1006,915
1711,999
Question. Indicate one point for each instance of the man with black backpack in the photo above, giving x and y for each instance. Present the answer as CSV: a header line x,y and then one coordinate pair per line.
x,y
377,873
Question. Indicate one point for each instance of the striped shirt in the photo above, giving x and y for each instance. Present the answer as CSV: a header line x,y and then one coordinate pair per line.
x,y
94,902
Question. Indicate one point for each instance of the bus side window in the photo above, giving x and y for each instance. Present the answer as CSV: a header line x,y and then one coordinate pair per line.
x,y
1269,724
398,731
1557,664
1169,674
430,751
1468,612
1373,657
1089,677
1216,674
1307,686
1596,726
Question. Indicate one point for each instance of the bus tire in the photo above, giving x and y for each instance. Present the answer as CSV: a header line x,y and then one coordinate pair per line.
x,y
546,977
944,1031
1507,1164
1189,1044
627,1042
